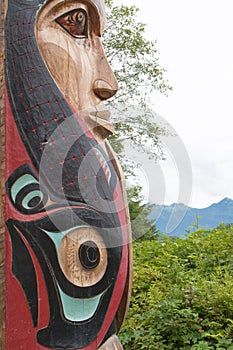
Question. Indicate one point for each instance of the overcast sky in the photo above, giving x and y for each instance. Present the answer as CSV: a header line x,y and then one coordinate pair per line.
x,y
195,41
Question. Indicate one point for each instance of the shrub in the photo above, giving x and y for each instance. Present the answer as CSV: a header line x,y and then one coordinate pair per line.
x,y
182,293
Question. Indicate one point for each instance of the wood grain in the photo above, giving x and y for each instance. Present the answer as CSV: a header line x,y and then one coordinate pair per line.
x,y
85,87
112,343
71,265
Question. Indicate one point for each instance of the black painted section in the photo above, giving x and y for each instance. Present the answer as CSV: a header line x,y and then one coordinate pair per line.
x,y
46,122
70,164
62,333
36,206
89,255
23,269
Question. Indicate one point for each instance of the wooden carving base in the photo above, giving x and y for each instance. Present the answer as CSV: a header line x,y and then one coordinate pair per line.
x,y
112,343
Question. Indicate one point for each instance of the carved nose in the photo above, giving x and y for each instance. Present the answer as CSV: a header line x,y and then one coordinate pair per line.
x,y
104,90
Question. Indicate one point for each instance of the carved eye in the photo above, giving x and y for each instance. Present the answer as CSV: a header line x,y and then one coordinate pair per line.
x,y
75,23
89,255
83,256
26,194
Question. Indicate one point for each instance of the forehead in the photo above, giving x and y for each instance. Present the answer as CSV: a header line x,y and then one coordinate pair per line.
x,y
100,7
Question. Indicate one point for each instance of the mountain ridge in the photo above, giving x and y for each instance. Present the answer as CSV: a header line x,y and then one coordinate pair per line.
x,y
177,218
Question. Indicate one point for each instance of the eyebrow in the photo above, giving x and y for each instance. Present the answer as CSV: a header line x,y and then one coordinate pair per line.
x,y
98,4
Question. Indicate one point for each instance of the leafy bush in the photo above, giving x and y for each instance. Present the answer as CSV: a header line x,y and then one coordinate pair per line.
x,y
182,293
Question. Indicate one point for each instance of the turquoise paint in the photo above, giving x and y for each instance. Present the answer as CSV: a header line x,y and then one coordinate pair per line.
x,y
74,309
58,236
78,310
22,182
30,196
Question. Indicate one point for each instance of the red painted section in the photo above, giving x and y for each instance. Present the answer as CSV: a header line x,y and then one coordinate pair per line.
x,y
20,333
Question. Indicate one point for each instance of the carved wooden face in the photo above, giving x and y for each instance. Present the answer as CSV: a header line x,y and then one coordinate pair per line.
x,y
64,206
69,38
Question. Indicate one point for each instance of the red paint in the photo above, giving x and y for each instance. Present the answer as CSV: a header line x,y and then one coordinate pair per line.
x,y
20,334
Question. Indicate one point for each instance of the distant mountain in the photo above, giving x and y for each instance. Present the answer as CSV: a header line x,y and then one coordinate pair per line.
x,y
175,219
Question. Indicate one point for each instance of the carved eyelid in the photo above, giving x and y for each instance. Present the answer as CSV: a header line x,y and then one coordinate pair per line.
x,y
56,8
77,30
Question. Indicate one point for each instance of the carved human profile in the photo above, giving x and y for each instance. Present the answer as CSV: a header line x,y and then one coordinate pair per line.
x,y
67,246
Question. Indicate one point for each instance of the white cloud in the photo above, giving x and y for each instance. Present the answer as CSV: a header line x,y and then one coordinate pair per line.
x,y
195,45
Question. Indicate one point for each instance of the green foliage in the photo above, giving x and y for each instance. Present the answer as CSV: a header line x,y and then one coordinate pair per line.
x,y
194,227
182,293
142,227
135,61
137,128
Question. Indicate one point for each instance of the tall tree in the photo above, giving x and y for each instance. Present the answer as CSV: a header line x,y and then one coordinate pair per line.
x,y
142,227
135,61
134,58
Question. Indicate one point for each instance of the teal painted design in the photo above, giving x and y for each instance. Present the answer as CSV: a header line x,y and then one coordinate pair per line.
x,y
30,196
79,310
58,236
22,182
74,309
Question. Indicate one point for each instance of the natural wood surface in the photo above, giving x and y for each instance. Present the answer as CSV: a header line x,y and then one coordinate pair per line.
x,y
82,73
2,167
79,66
72,266
112,343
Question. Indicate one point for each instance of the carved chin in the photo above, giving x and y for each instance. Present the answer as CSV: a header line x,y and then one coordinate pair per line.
x,y
97,118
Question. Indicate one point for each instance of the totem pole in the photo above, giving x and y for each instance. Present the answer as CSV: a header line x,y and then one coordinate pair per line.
x,y
65,252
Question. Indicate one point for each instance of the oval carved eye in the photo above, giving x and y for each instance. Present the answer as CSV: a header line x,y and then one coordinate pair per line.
x,y
83,256
27,195
75,23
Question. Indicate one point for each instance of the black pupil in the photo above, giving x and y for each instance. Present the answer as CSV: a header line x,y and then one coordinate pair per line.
x,y
34,202
89,255
79,17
